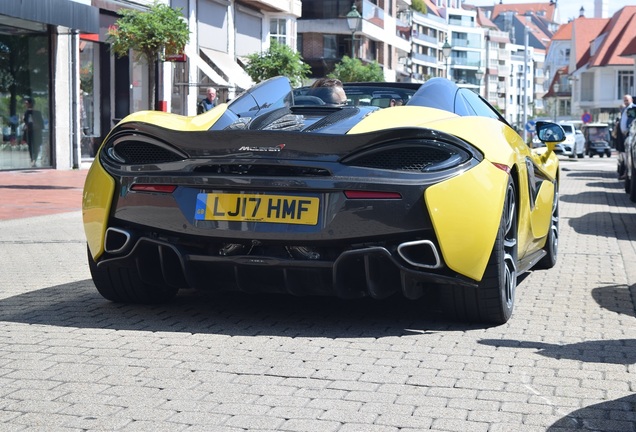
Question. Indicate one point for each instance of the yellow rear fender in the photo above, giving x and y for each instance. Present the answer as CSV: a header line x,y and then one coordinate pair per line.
x,y
541,215
99,190
200,122
497,150
466,213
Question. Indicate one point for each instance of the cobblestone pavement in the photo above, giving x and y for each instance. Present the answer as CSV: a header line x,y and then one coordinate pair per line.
x,y
70,360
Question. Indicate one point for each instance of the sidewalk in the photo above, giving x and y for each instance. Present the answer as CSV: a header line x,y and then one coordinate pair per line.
x,y
39,192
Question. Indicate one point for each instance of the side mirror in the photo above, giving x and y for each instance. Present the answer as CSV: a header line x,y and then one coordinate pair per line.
x,y
550,133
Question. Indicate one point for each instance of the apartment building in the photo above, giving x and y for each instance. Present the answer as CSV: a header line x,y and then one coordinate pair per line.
x,y
223,34
383,36
429,33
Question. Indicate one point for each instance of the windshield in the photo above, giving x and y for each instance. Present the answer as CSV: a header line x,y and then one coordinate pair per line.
x,y
598,133
568,129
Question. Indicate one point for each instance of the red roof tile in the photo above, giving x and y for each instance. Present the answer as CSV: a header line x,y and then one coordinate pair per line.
x,y
630,49
431,8
583,32
483,20
617,35
548,9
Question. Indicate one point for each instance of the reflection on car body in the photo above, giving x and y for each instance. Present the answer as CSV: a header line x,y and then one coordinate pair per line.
x,y
275,193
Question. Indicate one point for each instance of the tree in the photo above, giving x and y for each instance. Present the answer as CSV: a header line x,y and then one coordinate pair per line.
x,y
352,70
152,35
278,60
419,6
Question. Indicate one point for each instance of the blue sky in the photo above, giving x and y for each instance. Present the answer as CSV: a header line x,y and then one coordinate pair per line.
x,y
567,9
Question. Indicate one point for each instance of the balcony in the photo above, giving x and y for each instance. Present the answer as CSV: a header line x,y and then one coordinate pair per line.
x,y
425,58
372,13
293,7
456,61
424,38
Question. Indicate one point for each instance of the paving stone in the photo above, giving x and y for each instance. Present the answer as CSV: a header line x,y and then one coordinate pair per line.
x,y
70,360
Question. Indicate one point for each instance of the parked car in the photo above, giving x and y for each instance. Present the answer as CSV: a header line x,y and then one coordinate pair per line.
x,y
265,194
574,144
597,139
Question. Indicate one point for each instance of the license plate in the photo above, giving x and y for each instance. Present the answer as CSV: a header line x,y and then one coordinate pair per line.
x,y
300,210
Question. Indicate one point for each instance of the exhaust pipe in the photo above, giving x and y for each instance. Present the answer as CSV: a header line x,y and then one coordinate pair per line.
x,y
420,253
116,240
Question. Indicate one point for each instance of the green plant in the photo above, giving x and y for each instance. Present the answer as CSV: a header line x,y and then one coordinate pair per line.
x,y
353,70
151,35
419,6
278,60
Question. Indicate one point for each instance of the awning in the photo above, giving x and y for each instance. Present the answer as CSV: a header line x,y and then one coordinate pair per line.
x,y
65,13
197,61
231,69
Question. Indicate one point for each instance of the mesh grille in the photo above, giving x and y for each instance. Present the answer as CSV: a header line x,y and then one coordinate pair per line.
x,y
138,152
334,118
406,159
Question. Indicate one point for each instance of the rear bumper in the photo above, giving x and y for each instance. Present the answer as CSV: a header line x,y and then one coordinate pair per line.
x,y
374,271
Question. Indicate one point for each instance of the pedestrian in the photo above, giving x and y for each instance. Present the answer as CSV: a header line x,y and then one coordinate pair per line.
x,y
626,118
208,102
32,133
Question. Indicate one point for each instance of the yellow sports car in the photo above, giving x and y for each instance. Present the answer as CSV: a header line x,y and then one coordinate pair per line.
x,y
278,191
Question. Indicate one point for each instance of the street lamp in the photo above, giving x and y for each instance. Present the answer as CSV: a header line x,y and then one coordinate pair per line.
x,y
479,75
572,84
446,52
556,87
525,79
354,21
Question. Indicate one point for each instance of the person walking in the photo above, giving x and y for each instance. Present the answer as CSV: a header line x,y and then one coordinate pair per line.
x,y
625,122
33,125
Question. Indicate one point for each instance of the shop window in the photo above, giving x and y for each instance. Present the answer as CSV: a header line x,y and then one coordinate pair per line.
x,y
89,107
24,66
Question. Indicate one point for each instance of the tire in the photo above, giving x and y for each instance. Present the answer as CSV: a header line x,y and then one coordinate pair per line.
x,y
580,155
123,285
492,301
632,185
552,242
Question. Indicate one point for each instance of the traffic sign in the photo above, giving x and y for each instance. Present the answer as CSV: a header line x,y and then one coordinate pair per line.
x,y
531,126
587,117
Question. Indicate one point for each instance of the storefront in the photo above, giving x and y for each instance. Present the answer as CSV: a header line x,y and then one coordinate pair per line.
x,y
39,88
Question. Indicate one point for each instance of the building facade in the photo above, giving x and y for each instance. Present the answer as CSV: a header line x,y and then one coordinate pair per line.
x,y
39,64
384,36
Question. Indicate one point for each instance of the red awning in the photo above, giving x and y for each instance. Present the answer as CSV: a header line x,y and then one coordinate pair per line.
x,y
93,37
